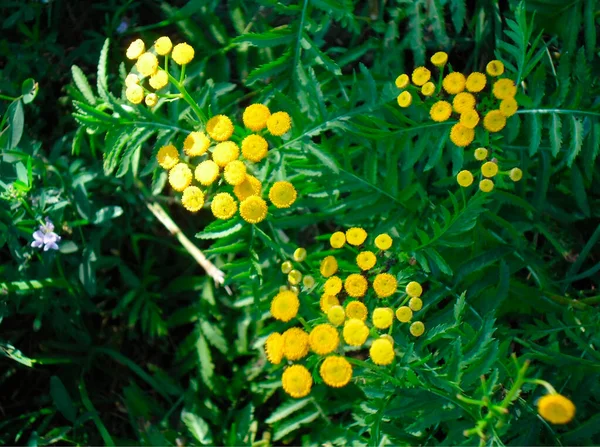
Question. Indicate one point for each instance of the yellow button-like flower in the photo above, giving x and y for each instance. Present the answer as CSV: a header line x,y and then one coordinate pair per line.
x,y
454,83
286,267
308,282
134,94
439,59
464,178
223,206
489,169
336,371
440,111
383,241
135,49
494,68
476,82
294,277
481,153
196,144
556,408
235,172
404,99
516,174
417,328
509,106
415,304
337,239
486,185
461,135
356,236
295,343
253,209
402,81
151,99
225,152
383,317
296,381
299,254
274,348
469,119
328,301
249,187
147,64
333,285
255,117
494,121
356,309
420,76
207,172
404,314
180,176
167,156
504,88
220,128
182,54
323,339
163,45
382,352
279,123
463,102
282,194
254,148
414,289
388,338
366,260
356,285
159,79
428,89
285,306
336,315
385,285
355,332
192,199
131,79
329,266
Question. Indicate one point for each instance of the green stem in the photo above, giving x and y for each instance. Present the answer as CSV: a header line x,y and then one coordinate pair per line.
x,y
559,111
187,97
9,98
87,403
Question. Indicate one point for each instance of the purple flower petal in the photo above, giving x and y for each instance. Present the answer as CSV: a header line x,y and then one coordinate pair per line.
x,y
38,236
36,244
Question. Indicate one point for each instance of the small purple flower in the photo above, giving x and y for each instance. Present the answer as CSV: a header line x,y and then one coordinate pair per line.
x,y
46,237
122,27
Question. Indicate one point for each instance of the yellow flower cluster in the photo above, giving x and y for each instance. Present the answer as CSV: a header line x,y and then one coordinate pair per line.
x,y
489,169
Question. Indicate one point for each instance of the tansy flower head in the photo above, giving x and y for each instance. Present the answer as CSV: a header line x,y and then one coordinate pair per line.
x,y
388,338
415,304
147,64
366,260
254,148
279,123
404,314
336,315
383,317
486,185
469,119
481,153
504,88
489,169
356,236
454,83
356,285
163,45
355,332
282,194
135,49
556,408
404,99
336,371
413,288
333,285
516,174
296,381
328,301
274,348
131,79
385,285
220,128
134,94
294,277
192,199
464,178
235,172
285,306
329,266
223,206
337,239
308,282
249,187
323,339
440,111
295,343
299,254
381,352
196,144
461,135
420,76
494,121
383,241
463,102
402,81
428,89
159,80
255,117
182,54
151,99
167,156
508,106
207,172
225,152
494,68
356,309
476,82
286,267
439,59
180,177
417,329
253,209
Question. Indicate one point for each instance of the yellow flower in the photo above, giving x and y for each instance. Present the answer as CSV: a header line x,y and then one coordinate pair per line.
x,y
282,194
207,172
151,99
516,174
404,314
286,267
382,352
255,117
494,68
180,176
355,332
454,83
147,64
494,121
464,178
163,45
402,81
404,99
299,254
337,239
134,93
295,343
135,49
383,241
328,301
463,102
296,381
415,304
253,209
356,309
235,172
159,79
329,266
254,148
366,260
294,277
131,79
417,328
486,185
383,317
420,76
323,339
461,135
476,82
556,408
489,169
223,206
220,128
414,289
285,305
385,285
428,89
356,236
196,144
182,54
440,111
504,88
308,282
336,371
167,156
336,315
249,187
192,198
481,153
274,348
356,285
279,123
508,107
388,338
225,152
469,119
439,59
333,285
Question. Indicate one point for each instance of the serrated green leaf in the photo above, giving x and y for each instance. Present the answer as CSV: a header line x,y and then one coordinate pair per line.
x,y
576,138
83,85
